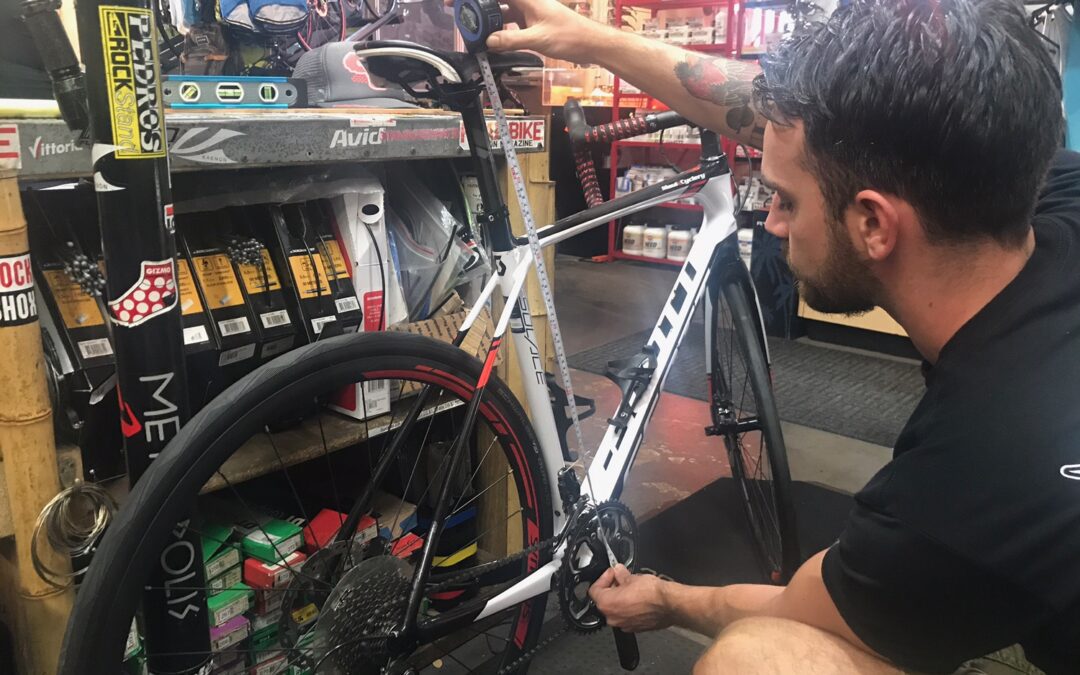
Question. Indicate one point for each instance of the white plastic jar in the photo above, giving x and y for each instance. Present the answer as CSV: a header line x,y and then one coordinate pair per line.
x,y
678,244
655,242
633,239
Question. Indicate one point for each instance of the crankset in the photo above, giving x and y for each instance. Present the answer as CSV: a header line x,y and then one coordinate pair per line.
x,y
586,558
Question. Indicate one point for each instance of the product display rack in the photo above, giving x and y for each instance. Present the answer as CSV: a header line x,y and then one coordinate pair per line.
x,y
214,140
727,47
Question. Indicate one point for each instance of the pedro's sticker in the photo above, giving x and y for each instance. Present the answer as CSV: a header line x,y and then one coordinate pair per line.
x,y
218,281
260,278
153,294
132,82
17,302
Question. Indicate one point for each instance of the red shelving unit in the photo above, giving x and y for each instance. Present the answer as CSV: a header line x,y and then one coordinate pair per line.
x,y
619,255
728,47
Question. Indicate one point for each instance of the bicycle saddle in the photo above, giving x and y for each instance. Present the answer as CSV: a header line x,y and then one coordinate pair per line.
x,y
403,62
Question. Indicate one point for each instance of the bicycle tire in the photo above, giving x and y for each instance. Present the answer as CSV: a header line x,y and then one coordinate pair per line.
x,y
95,636
764,482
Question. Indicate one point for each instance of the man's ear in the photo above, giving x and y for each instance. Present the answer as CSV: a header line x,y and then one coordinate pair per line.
x,y
874,224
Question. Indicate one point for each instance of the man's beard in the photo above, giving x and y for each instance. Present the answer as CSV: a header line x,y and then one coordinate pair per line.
x,y
844,284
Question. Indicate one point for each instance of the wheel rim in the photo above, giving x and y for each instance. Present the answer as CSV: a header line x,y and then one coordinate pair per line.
x,y
735,410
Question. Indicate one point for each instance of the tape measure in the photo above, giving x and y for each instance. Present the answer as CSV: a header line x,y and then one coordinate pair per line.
x,y
475,21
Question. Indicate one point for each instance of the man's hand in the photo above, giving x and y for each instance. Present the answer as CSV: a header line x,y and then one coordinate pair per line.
x,y
545,26
632,602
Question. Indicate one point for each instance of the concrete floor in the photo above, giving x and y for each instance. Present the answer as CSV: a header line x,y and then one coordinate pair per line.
x,y
599,303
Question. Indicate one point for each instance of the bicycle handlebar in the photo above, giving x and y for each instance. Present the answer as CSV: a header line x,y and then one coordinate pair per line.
x,y
581,135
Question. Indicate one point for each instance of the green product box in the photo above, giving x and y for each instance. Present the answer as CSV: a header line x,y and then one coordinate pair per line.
x,y
135,664
265,638
229,603
226,579
273,540
218,555
133,645
260,622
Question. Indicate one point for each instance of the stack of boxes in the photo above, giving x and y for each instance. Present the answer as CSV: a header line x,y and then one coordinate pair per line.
x,y
684,31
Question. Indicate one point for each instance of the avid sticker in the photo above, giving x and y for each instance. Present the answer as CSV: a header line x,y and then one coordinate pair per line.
x,y
17,302
153,294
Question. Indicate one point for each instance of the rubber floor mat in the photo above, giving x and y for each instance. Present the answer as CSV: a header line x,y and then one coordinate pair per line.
x,y
841,392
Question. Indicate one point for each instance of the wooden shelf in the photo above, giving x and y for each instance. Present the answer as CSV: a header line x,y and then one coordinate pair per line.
x,y
619,255
258,456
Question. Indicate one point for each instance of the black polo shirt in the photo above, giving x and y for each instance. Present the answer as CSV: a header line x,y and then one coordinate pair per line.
x,y
968,541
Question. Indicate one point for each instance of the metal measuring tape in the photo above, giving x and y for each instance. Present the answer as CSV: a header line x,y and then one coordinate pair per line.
x,y
476,20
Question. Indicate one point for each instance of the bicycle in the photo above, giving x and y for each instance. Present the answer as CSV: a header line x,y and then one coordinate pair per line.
x,y
382,613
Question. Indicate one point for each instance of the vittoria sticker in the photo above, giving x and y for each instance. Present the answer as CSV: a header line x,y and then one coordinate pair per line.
x,y
153,294
17,302
131,76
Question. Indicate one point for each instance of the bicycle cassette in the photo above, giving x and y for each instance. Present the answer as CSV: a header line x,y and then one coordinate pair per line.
x,y
586,559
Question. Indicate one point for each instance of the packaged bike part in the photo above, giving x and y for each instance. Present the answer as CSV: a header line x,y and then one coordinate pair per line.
x,y
225,580
261,535
70,309
236,666
426,245
324,527
261,284
394,515
264,575
358,219
233,321
229,603
229,633
217,554
311,291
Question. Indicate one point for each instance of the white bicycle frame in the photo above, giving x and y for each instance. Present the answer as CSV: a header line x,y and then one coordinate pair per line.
x,y
615,456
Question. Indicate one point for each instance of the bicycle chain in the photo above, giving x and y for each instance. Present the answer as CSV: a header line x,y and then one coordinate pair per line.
x,y
479,570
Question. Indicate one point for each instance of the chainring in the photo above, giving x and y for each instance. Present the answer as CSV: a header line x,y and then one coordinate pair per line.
x,y
585,559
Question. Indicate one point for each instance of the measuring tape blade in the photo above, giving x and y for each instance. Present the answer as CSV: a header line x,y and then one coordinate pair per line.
x,y
534,241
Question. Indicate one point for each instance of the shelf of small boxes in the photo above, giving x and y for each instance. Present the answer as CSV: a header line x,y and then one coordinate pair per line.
x,y
252,555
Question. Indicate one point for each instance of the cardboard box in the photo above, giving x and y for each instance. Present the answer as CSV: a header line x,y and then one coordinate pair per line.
x,y
261,284
394,515
268,601
260,622
226,579
260,574
325,525
218,556
229,603
276,665
360,226
229,633
215,276
320,288
236,666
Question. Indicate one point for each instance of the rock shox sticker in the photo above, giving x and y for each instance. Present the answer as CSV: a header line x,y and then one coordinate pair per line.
x,y
17,302
153,294
132,81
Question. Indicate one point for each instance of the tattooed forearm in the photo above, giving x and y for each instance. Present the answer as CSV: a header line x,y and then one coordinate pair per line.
x,y
728,84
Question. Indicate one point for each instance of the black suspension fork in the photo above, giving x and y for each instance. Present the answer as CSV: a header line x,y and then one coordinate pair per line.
x,y
131,176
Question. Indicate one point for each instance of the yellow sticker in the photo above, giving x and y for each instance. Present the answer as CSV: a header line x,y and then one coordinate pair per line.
x,y
78,308
332,250
189,297
252,275
132,79
218,281
305,614
305,279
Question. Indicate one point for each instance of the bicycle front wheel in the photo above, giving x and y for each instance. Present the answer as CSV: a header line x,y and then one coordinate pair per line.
x,y
744,414
273,449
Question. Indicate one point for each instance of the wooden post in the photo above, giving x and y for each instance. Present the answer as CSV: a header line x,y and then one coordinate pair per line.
x,y
28,448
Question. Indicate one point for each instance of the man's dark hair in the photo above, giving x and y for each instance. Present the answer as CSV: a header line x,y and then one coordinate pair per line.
x,y
952,105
